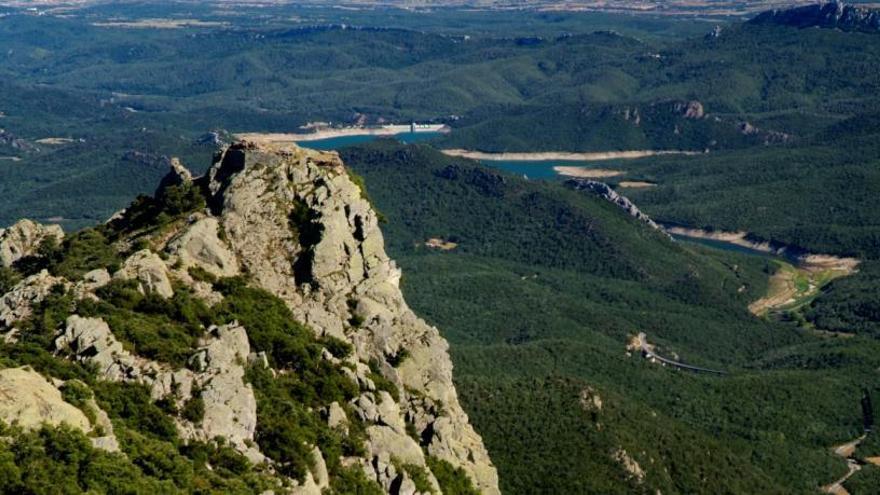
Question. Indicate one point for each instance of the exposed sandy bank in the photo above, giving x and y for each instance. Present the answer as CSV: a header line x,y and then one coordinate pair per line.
x,y
635,184
286,138
563,155
588,173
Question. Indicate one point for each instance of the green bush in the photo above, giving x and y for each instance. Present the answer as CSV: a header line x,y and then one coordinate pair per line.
x,y
201,275
194,409
8,279
82,252
353,481
419,476
131,405
452,480
270,324
166,330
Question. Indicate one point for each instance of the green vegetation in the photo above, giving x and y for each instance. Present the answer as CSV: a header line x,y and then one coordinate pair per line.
x,y
8,279
288,404
417,474
546,285
536,317
864,482
61,460
78,254
452,480
166,330
353,481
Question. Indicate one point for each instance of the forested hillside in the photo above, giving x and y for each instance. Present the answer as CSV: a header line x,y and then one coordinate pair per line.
x,y
538,288
537,333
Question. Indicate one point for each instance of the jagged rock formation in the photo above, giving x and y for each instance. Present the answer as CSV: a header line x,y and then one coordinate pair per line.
x,y
217,372
9,139
302,230
18,303
23,239
690,110
832,15
605,192
292,223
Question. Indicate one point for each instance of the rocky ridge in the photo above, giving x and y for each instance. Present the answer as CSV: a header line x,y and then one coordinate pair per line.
x,y
831,15
607,193
291,222
332,269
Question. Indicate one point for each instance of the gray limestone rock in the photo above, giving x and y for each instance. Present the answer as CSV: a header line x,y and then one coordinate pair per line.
x,y
23,239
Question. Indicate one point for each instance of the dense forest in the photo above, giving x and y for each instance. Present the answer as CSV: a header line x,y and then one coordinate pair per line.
x,y
534,331
544,286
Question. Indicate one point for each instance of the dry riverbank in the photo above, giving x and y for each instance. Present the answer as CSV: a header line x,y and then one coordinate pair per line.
x,y
587,173
563,155
797,280
329,133
808,261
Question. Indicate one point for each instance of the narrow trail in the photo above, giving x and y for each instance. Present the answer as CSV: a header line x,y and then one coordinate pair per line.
x,y
847,451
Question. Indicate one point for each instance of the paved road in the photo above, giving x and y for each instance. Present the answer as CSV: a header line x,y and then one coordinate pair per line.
x,y
648,352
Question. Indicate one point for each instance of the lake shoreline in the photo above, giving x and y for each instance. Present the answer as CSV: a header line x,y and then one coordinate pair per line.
x,y
321,134
593,156
798,256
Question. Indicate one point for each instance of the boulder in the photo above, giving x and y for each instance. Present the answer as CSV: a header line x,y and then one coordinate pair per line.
x,y
605,192
149,270
23,239
90,340
29,400
199,245
178,175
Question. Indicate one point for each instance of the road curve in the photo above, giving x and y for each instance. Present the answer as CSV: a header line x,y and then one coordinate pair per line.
x,y
648,352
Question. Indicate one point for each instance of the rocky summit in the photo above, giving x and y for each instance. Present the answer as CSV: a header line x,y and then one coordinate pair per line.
x,y
228,268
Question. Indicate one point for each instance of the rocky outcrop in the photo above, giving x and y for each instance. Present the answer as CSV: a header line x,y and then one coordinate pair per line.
x,y
177,176
199,245
18,303
629,464
605,192
292,222
148,269
690,110
90,340
230,405
832,15
29,400
9,139
23,239
216,377
303,231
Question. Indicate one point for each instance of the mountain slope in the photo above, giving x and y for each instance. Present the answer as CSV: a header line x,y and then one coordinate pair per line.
x,y
539,336
252,322
831,15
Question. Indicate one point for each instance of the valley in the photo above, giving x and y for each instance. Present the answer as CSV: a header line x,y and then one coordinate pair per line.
x,y
754,142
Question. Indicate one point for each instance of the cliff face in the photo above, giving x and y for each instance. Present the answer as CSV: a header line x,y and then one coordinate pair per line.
x,y
303,231
833,15
292,223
